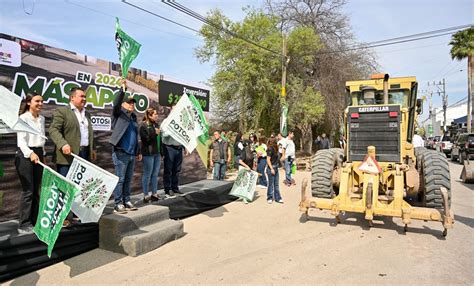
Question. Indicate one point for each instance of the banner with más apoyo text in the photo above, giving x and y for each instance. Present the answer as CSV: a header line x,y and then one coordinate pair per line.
x,y
53,72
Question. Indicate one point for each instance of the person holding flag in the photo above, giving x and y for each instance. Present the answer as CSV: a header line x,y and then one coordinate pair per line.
x,y
30,152
71,132
124,139
173,158
125,147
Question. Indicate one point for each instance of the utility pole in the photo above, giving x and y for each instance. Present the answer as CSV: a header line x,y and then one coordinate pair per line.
x,y
445,104
469,93
284,107
444,97
431,115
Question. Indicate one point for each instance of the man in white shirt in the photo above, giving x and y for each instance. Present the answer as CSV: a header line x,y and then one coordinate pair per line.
x,y
281,141
71,131
418,140
288,157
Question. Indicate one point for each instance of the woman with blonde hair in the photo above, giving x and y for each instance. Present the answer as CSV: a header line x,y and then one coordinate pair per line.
x,y
151,144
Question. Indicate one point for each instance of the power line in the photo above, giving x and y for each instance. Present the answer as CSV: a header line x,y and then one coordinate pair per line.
x,y
455,28
380,43
159,16
201,18
412,48
452,69
127,20
457,103
442,69
363,47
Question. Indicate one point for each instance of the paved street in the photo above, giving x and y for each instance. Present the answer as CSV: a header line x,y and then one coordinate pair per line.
x,y
260,243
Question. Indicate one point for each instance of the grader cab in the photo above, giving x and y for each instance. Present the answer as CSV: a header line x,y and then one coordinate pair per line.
x,y
380,173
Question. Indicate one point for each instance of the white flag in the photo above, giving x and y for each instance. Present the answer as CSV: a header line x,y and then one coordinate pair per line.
x,y
96,185
245,184
181,124
10,122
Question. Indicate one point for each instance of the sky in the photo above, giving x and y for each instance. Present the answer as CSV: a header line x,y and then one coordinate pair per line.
x,y
87,27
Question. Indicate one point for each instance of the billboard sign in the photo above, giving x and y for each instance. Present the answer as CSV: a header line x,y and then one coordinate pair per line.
x,y
170,93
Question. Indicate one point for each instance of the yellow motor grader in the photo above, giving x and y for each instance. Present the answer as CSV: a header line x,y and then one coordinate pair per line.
x,y
380,171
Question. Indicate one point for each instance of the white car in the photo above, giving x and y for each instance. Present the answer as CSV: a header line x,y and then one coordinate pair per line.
x,y
444,145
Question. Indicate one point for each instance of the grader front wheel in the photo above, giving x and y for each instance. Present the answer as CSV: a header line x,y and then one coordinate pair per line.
x,y
434,176
323,165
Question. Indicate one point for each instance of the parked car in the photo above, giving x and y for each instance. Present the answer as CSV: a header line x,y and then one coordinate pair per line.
x,y
463,147
444,145
432,142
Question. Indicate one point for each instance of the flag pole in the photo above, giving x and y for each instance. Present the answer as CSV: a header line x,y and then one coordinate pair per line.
x,y
56,173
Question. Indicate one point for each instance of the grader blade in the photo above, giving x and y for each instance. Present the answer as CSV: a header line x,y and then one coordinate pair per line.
x,y
467,174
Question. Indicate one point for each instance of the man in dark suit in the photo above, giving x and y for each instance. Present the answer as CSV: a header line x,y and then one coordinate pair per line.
x,y
71,132
125,148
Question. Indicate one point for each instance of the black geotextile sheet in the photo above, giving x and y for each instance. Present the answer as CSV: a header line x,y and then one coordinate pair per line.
x,y
199,197
25,253
21,254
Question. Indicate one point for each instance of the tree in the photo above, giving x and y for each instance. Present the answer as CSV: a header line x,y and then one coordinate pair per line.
x,y
244,84
306,108
306,105
333,63
462,44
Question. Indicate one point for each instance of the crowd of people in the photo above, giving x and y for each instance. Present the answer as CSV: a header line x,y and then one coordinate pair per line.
x,y
131,141
263,156
71,132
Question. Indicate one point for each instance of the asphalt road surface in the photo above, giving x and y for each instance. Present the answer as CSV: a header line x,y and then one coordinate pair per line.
x,y
263,243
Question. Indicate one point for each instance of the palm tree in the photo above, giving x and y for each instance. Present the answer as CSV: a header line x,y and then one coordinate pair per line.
x,y
463,46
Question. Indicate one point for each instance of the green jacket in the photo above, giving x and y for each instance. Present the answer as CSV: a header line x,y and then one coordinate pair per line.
x,y
64,129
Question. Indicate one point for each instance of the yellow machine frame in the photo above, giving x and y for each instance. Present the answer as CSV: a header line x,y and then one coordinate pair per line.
x,y
400,178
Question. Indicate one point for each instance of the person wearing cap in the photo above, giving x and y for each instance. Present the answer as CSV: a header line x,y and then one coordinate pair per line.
x,y
125,147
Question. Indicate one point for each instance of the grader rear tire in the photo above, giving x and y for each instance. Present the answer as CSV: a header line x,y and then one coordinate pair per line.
x,y
434,174
323,164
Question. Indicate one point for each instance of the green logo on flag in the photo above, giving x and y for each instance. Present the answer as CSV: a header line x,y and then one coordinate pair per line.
x,y
201,119
127,47
56,199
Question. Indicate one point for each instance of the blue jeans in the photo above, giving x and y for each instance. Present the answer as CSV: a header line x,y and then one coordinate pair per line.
x,y
219,170
288,163
236,161
173,160
273,191
64,169
151,168
261,165
124,165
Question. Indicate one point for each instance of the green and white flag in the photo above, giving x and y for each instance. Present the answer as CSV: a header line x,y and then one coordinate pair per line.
x,y
127,47
96,187
182,124
10,122
202,148
245,184
284,120
200,119
57,194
